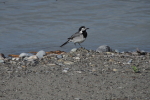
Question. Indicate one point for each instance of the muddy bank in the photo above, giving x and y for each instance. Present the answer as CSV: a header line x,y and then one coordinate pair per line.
x,y
78,75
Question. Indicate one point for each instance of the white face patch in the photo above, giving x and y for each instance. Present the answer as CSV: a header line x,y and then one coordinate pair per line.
x,y
82,29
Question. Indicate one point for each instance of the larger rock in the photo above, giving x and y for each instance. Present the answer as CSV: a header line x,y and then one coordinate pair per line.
x,y
40,54
104,48
25,55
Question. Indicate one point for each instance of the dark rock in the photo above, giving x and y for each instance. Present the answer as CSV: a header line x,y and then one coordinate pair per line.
x,y
104,48
2,56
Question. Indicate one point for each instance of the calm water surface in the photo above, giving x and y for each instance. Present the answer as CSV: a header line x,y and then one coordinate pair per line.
x,y
33,25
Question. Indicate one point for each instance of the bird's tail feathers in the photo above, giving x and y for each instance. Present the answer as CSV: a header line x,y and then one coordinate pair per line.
x,y
64,43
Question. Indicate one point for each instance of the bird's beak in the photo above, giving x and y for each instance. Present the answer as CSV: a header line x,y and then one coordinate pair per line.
x,y
87,28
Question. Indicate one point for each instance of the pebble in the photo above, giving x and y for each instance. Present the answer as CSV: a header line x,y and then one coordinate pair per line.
x,y
77,99
25,55
31,58
117,51
13,62
51,64
17,59
93,69
13,58
130,61
77,58
68,62
40,54
65,70
115,70
73,50
60,64
78,72
59,56
103,48
24,66
1,61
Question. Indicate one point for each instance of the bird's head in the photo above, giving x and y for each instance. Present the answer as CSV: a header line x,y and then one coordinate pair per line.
x,y
82,28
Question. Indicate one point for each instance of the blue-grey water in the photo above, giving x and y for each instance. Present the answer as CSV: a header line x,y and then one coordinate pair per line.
x,y
33,25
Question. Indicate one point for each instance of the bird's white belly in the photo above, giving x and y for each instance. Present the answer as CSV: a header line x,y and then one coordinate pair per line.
x,y
79,39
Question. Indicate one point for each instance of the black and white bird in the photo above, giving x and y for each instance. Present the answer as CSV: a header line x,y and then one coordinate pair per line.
x,y
78,37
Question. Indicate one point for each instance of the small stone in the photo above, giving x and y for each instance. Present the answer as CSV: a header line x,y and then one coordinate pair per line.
x,y
135,53
40,54
115,70
108,53
77,99
59,56
117,51
13,58
77,58
73,50
1,61
60,64
78,72
31,58
24,66
87,54
130,61
17,59
93,69
51,64
13,62
68,62
111,60
65,71
63,56
103,48
25,55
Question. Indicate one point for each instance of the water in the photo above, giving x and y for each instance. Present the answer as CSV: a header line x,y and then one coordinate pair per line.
x,y
33,25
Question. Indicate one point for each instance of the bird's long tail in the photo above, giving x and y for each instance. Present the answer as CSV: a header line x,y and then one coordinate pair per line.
x,y
64,43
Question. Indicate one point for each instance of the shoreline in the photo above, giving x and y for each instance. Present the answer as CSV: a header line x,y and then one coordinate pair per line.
x,y
77,75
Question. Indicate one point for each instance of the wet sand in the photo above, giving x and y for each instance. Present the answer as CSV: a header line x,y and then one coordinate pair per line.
x,y
79,75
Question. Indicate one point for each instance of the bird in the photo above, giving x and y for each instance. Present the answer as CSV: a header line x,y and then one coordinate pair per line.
x,y
77,37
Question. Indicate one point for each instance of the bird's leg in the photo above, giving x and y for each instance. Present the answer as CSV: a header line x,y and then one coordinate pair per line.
x,y
80,45
75,44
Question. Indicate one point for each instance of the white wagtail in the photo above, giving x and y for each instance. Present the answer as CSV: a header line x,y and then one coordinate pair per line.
x,y
78,37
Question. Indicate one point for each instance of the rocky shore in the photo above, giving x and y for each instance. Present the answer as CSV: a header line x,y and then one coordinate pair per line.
x,y
80,74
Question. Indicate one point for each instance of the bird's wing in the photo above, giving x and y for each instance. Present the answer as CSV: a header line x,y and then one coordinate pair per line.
x,y
77,34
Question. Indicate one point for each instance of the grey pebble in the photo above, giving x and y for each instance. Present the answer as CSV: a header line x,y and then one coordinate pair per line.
x,y
59,56
25,55
104,48
40,54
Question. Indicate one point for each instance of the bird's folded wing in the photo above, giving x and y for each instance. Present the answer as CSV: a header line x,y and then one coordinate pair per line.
x,y
75,35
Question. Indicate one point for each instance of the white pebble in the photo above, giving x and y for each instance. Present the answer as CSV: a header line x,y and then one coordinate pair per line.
x,y
68,62
25,54
31,58
73,50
